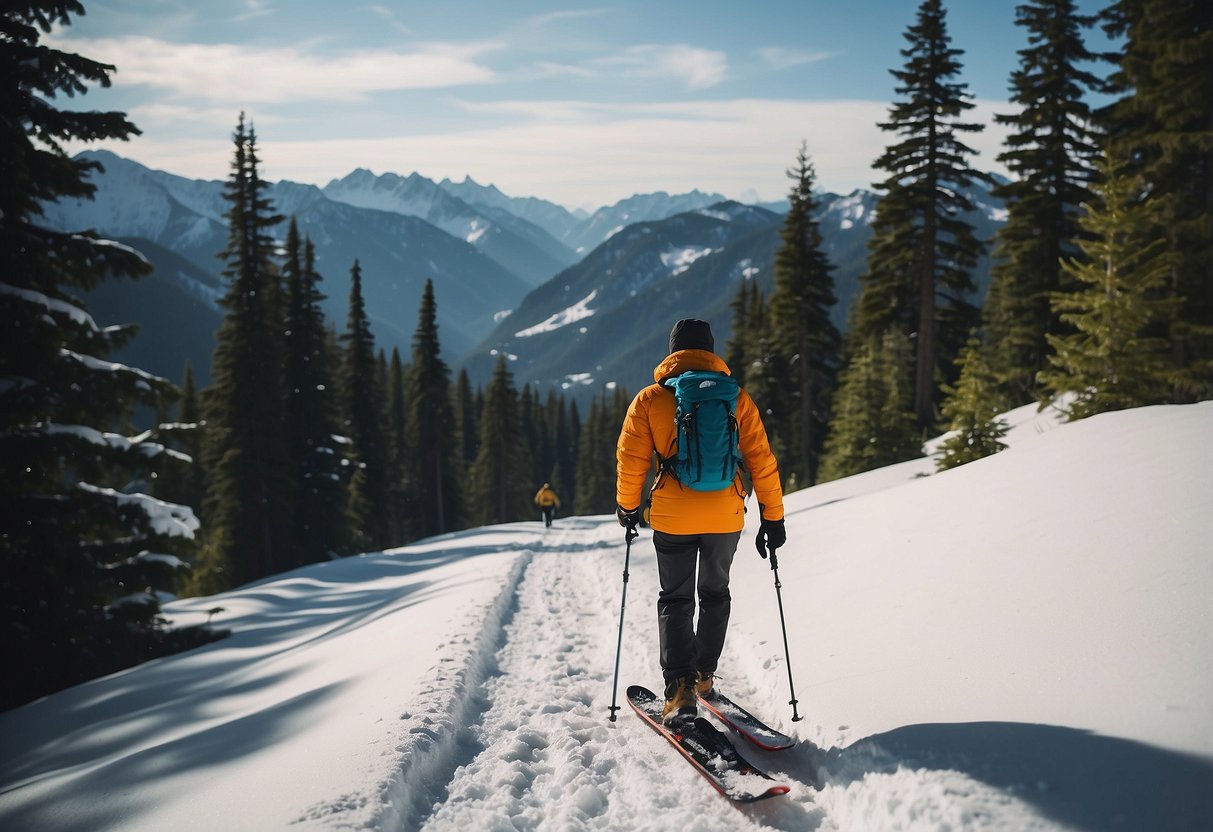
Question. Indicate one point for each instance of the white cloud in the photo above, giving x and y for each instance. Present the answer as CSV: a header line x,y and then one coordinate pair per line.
x,y
390,16
225,72
778,57
578,153
253,9
695,67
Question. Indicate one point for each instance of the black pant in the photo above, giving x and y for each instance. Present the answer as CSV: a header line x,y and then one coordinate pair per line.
x,y
548,512
686,648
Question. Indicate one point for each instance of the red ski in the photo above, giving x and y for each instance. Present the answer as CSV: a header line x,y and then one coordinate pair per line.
x,y
745,723
708,750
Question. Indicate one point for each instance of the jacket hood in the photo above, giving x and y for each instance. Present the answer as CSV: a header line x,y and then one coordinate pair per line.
x,y
683,360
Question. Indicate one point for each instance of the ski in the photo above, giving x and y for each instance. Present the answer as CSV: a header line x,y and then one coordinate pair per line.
x,y
708,750
745,723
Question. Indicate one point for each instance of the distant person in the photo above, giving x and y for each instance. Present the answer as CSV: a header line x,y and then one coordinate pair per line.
x,y
697,506
548,502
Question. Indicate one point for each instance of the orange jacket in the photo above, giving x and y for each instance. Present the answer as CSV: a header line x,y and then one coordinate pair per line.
x,y
648,428
545,497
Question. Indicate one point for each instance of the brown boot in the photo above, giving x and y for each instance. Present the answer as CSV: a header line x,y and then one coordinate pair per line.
x,y
703,686
680,702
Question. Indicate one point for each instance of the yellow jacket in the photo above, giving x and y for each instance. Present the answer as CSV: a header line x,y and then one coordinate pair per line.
x,y
546,497
648,428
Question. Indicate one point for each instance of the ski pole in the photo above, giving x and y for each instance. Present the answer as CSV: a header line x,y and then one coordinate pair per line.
x,y
783,626
630,535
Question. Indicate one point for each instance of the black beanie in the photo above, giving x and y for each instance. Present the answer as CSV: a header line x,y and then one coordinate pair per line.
x,y
691,334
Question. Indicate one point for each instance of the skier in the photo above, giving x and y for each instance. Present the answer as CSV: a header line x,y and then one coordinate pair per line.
x,y
692,527
548,502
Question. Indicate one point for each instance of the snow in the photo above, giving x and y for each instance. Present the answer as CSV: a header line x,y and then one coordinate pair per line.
x,y
577,312
678,260
97,364
116,441
169,519
69,310
746,270
573,379
1025,642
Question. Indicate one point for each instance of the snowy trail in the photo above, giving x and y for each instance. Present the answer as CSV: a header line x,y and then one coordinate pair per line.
x,y
543,738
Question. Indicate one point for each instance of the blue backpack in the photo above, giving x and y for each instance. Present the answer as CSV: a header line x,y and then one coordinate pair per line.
x,y
707,455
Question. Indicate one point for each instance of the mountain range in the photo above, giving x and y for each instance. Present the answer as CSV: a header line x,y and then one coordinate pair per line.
x,y
576,300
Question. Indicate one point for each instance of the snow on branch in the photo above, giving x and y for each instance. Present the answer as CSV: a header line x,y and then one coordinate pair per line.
x,y
94,363
50,304
116,441
111,246
168,519
144,557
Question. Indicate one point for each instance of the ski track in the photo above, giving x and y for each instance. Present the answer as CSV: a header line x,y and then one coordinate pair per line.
x,y
538,732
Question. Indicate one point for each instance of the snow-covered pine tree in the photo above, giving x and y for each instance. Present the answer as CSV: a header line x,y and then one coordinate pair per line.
x,y
1163,125
972,410
923,251
317,528
1051,155
362,407
801,328
437,496
249,488
83,558
1112,360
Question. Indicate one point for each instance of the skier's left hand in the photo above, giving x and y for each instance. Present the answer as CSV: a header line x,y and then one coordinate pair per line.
x,y
771,534
629,518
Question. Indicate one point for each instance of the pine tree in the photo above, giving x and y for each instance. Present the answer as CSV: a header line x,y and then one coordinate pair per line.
x,y
735,350
923,251
467,437
399,451
1163,125
317,527
1111,361
80,593
187,484
437,496
1051,154
591,480
189,417
564,446
531,424
873,423
369,509
595,493
972,410
249,496
501,487
802,331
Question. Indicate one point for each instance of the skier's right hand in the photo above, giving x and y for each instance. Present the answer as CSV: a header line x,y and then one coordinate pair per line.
x,y
629,518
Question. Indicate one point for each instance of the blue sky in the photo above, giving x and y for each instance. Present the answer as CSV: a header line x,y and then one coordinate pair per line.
x,y
582,104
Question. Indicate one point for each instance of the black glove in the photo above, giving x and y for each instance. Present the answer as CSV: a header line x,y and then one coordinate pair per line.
x,y
629,518
771,534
